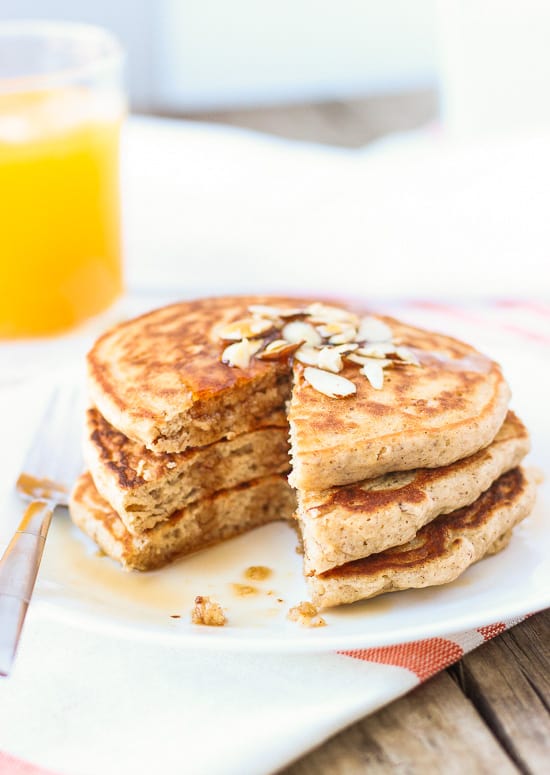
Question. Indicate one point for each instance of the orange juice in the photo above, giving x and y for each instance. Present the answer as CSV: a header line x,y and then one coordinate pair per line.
x,y
60,244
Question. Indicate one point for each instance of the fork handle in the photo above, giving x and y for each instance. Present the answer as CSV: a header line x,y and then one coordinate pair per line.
x,y
18,570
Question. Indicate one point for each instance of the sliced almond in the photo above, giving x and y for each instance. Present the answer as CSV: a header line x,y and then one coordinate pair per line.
x,y
244,329
277,349
273,313
240,353
307,355
407,356
338,333
330,359
331,385
326,313
299,331
349,334
329,329
348,347
372,329
377,350
374,372
364,359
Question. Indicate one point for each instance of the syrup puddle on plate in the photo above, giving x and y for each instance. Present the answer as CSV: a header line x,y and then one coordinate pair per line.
x,y
73,572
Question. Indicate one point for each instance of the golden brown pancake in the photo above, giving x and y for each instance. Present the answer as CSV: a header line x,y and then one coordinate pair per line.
x,y
441,550
159,380
213,519
423,417
144,488
349,522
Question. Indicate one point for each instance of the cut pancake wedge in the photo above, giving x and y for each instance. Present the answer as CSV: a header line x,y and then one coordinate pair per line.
x,y
441,550
348,523
213,519
144,488
159,378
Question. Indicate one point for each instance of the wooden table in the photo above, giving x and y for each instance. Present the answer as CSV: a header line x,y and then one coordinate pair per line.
x,y
489,713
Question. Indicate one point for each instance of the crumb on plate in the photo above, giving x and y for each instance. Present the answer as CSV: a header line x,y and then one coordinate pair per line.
x,y
306,614
207,612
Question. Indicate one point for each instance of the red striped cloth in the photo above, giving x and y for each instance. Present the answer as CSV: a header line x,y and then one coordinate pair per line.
x,y
427,657
9,765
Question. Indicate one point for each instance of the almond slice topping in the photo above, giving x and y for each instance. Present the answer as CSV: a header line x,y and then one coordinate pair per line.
x,y
244,329
279,348
407,356
347,335
372,329
273,313
240,353
298,331
348,347
331,385
377,350
374,372
330,359
307,354
364,359
325,313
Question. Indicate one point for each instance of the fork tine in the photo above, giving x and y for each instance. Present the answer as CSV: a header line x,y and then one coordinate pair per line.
x,y
33,456
55,450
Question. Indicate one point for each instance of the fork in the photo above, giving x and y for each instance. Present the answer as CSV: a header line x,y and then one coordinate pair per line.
x,y
50,468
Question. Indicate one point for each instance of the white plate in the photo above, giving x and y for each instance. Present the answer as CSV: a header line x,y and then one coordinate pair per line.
x,y
77,587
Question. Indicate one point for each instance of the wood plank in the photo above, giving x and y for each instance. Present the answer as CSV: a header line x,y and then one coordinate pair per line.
x,y
351,123
434,729
508,680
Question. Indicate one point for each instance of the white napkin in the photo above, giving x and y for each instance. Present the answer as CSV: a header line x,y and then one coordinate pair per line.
x,y
80,704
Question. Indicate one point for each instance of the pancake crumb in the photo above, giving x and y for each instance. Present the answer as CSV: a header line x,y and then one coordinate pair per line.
x,y
306,614
207,612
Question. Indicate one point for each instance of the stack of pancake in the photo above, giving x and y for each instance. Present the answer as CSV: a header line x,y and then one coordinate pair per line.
x,y
404,458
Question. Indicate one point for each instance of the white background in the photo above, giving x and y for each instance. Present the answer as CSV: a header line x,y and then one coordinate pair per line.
x,y
189,54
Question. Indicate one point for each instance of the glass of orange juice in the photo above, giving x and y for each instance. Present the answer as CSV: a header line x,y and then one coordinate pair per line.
x,y
61,108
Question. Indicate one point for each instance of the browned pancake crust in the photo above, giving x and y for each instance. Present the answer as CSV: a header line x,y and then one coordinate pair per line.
x,y
441,550
129,461
433,539
346,523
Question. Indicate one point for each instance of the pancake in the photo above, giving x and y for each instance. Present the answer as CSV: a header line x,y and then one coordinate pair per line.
x,y
422,417
159,379
441,550
224,515
347,523
145,488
